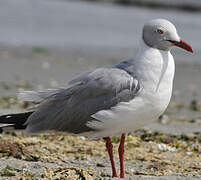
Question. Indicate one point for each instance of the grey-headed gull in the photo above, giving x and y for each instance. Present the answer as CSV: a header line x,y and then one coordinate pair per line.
x,y
110,101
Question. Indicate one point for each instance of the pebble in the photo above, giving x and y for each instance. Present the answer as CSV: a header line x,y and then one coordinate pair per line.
x,y
132,170
82,138
189,153
164,147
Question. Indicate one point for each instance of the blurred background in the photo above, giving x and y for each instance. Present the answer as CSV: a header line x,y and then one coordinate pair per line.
x,y
44,43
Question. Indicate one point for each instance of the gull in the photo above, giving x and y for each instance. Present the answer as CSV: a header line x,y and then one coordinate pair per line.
x,y
110,101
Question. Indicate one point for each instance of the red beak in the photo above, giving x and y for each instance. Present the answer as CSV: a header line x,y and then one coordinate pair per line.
x,y
183,44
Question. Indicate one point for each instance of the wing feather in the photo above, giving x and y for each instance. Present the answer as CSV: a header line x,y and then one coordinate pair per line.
x,y
72,108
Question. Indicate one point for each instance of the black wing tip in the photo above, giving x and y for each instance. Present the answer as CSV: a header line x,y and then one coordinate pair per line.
x,y
14,120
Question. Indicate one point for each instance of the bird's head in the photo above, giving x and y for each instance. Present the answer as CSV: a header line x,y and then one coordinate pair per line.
x,y
162,34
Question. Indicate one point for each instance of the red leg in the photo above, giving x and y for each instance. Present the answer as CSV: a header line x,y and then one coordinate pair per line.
x,y
121,156
109,147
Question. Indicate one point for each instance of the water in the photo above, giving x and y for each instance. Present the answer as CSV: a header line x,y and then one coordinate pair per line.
x,y
65,24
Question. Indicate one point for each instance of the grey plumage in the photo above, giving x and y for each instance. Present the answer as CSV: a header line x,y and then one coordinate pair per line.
x,y
69,109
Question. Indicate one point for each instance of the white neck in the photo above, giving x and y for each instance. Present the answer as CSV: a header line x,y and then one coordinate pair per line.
x,y
154,67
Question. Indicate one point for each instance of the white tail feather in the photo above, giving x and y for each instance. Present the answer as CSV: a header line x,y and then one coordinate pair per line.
x,y
39,96
30,96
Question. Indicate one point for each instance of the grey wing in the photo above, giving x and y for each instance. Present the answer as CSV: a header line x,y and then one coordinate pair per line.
x,y
71,109
124,65
128,66
80,78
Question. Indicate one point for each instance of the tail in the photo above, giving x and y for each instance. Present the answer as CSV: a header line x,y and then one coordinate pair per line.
x,y
15,120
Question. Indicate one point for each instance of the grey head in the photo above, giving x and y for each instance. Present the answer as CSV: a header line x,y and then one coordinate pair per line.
x,y
162,34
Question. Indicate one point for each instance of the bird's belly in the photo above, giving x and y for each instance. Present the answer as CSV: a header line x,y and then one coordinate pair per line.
x,y
129,116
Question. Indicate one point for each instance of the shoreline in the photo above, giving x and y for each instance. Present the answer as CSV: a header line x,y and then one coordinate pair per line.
x,y
184,5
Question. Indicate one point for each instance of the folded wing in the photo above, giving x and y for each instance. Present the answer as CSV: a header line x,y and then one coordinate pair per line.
x,y
71,109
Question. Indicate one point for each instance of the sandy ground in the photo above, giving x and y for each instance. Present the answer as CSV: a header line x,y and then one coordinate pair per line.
x,y
57,156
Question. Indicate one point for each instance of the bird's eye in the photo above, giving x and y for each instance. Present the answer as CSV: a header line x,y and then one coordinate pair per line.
x,y
160,31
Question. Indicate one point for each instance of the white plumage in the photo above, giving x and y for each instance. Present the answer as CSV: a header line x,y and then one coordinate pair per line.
x,y
155,71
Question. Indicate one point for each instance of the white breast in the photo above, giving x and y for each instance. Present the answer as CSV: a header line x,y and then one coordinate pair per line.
x,y
155,71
